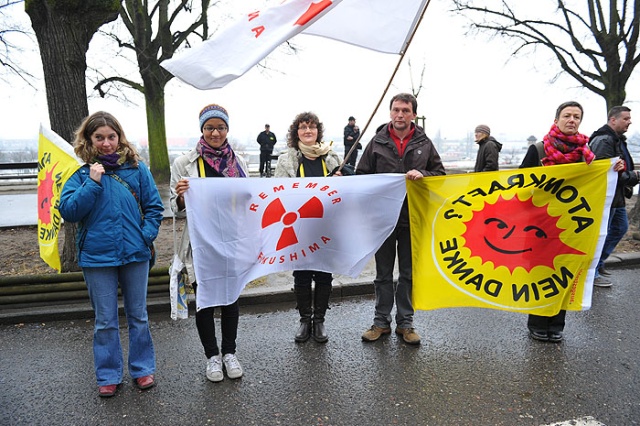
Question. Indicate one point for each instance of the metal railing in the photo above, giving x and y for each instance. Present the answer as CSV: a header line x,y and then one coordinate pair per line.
x,y
19,170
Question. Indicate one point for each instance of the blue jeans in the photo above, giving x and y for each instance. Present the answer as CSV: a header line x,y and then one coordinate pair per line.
x,y
102,284
386,290
618,226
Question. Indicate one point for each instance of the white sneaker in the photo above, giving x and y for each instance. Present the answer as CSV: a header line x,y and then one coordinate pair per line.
x,y
214,368
232,365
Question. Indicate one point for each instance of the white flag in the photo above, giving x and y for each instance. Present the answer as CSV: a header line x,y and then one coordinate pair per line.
x,y
380,25
243,229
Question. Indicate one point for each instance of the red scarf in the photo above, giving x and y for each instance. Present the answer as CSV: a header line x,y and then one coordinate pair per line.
x,y
563,149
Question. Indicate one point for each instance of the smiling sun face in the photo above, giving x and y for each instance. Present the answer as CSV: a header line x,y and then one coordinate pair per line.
x,y
514,233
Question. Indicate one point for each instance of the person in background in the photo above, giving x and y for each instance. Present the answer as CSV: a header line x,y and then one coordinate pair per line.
x,y
563,144
351,135
398,147
267,141
309,156
488,150
609,141
116,204
212,157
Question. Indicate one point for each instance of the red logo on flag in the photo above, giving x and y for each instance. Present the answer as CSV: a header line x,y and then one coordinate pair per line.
x,y
313,11
45,196
276,213
516,233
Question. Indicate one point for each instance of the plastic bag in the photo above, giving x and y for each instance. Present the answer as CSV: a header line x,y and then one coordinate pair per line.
x,y
178,290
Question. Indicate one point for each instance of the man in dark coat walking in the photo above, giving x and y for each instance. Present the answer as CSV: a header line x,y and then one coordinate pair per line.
x,y
488,150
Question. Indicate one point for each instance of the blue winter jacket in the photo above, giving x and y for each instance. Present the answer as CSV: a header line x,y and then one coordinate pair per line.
x,y
111,230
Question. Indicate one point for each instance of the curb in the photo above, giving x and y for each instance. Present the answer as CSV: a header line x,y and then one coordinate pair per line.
x,y
161,304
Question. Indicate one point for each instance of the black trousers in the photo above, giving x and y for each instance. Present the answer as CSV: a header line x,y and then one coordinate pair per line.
x,y
546,324
265,163
304,278
353,157
229,317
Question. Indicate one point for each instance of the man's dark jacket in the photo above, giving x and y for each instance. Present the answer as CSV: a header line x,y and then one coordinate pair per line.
x,y
606,143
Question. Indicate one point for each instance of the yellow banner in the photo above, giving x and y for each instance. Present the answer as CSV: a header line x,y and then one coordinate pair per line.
x,y
56,162
522,240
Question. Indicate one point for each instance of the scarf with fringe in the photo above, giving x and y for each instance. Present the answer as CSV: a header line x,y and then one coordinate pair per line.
x,y
563,149
223,160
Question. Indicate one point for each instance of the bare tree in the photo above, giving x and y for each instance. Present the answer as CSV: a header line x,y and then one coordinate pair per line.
x,y
64,30
415,89
12,35
153,40
594,42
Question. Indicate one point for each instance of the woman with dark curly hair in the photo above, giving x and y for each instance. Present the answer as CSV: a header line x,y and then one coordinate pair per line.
x,y
309,156
116,204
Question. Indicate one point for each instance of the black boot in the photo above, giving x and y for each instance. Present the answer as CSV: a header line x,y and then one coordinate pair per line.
x,y
320,306
303,300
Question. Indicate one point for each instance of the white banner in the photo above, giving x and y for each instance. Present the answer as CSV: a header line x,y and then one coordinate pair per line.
x,y
379,25
242,229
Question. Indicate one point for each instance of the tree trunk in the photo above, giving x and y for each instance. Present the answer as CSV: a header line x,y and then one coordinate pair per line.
x,y
63,46
64,32
614,92
156,126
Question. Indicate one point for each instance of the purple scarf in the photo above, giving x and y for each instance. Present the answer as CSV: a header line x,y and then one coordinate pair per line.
x,y
109,161
223,160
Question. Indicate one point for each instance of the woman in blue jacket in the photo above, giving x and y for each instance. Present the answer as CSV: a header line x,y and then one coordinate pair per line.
x,y
116,204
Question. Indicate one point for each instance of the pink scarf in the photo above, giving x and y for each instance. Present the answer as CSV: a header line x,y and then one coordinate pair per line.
x,y
563,149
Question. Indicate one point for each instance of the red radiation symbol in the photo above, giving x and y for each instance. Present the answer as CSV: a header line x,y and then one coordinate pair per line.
x,y
314,10
275,212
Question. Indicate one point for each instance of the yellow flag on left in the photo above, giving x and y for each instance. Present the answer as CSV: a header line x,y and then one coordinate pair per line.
x,y
56,162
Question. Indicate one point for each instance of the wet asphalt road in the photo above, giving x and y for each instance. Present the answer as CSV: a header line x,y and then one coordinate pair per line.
x,y
475,367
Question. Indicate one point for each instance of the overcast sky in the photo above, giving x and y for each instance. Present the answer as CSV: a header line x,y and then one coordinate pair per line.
x,y
467,81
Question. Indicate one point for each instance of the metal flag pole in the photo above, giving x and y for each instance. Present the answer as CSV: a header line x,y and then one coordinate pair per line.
x,y
386,89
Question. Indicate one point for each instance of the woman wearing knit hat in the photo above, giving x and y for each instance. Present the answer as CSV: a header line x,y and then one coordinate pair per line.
x,y
309,156
212,157
488,150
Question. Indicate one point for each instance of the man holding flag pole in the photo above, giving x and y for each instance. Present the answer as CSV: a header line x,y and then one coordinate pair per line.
x,y
399,147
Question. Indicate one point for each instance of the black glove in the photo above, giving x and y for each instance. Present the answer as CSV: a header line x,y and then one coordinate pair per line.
x,y
347,170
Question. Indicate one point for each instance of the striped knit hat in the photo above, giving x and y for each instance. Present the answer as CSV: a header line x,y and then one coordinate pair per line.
x,y
213,111
483,128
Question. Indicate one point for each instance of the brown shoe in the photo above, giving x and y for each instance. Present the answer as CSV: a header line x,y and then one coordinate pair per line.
x,y
636,236
145,382
374,333
107,390
409,335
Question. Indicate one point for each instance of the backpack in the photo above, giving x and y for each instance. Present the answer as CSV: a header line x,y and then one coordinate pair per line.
x,y
541,153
